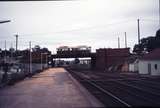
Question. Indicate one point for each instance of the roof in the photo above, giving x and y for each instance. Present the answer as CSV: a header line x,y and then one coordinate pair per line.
x,y
153,55
83,46
114,52
63,47
79,47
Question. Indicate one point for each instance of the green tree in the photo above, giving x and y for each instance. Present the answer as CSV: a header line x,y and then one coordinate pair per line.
x,y
36,48
158,33
148,44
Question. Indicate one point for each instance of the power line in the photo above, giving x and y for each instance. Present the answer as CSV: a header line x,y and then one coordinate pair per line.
x,y
149,19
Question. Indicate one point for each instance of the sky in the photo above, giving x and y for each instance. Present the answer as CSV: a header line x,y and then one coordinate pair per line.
x,y
96,23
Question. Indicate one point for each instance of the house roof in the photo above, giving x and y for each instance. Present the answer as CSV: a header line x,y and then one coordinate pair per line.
x,y
154,55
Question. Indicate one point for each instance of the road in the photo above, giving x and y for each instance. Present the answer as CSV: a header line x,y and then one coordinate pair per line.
x,y
49,89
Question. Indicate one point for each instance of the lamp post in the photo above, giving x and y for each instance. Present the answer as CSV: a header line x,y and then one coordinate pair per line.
x,y
46,60
30,58
5,53
159,13
1,22
41,61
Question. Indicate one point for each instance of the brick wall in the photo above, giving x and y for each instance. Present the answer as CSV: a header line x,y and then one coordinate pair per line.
x,y
108,57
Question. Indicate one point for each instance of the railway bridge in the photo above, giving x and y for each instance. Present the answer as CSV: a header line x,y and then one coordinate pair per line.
x,y
75,52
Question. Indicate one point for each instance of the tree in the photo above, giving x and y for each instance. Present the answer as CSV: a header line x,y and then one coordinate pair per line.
x,y
11,49
36,48
158,33
148,44
45,50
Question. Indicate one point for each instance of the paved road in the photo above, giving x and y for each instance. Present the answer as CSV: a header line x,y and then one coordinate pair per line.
x,y
50,89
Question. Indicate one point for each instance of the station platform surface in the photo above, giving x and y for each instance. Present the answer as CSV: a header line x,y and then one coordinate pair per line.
x,y
53,88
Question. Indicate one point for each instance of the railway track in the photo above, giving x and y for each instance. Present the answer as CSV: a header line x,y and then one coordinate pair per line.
x,y
106,97
121,91
146,84
133,95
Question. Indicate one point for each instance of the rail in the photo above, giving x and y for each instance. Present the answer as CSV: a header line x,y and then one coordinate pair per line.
x,y
116,99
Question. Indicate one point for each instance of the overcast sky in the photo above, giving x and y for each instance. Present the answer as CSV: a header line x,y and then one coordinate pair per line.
x,y
96,23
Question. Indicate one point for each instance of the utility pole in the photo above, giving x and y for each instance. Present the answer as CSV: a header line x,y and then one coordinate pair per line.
x,y
46,60
11,45
125,39
11,51
5,51
159,13
16,42
41,61
30,58
138,31
118,42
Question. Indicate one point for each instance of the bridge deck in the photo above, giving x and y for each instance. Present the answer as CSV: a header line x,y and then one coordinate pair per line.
x,y
74,55
52,88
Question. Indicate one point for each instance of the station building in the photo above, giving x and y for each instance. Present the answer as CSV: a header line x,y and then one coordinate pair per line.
x,y
150,63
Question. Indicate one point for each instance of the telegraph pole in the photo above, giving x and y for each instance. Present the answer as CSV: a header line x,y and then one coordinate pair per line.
x,y
138,31
11,45
46,59
5,51
41,61
118,42
16,42
11,51
125,39
30,58
159,13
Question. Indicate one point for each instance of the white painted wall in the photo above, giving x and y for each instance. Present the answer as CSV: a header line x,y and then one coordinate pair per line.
x,y
155,71
143,67
136,67
133,67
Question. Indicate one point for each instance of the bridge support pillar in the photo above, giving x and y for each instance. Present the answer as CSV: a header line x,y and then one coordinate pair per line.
x,y
93,62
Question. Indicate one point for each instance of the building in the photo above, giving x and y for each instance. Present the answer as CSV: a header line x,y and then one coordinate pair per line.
x,y
38,61
150,63
107,57
131,63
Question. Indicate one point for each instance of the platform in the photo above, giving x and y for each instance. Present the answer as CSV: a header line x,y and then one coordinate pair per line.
x,y
53,88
